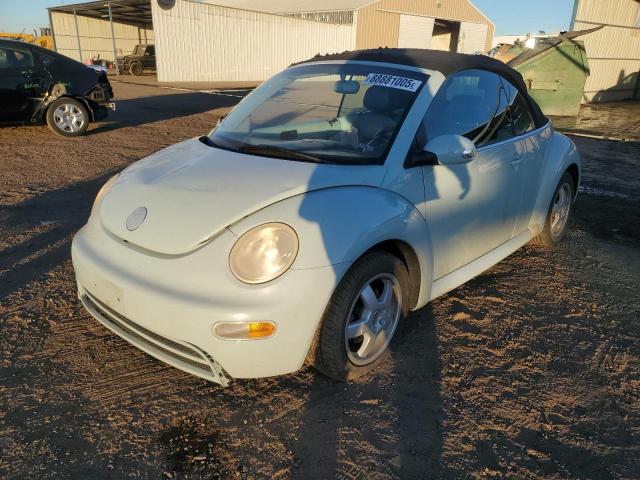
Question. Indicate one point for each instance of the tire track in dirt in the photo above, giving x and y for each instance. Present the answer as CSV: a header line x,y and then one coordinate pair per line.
x,y
529,371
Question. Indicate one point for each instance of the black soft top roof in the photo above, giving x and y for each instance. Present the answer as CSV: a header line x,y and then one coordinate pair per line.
x,y
446,63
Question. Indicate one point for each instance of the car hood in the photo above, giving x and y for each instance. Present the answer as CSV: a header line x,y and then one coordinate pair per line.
x,y
192,191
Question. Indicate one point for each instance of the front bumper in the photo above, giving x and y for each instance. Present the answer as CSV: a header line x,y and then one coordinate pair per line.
x,y
185,357
167,306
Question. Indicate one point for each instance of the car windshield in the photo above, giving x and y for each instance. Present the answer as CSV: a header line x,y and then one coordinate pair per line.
x,y
139,50
328,113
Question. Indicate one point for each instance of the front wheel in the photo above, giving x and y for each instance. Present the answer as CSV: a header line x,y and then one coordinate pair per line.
x,y
559,213
68,117
361,317
136,68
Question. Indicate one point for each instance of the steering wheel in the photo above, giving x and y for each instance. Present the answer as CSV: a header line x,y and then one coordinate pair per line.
x,y
371,144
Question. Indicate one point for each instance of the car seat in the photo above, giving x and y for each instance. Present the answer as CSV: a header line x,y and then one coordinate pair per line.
x,y
383,107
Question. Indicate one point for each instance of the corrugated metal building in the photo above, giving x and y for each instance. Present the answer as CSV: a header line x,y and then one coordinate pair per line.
x,y
249,40
452,25
205,42
196,41
614,51
82,31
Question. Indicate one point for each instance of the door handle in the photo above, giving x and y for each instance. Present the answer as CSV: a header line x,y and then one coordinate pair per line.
x,y
517,161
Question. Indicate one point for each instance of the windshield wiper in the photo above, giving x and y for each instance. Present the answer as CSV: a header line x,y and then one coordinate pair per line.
x,y
275,151
210,143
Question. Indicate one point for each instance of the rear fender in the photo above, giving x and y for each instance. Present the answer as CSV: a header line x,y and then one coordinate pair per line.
x,y
58,91
55,91
336,226
560,155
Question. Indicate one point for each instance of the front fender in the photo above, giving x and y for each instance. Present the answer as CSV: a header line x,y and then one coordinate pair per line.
x,y
335,226
559,156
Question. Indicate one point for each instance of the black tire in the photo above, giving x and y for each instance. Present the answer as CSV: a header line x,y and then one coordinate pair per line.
x,y
76,121
136,68
328,352
548,237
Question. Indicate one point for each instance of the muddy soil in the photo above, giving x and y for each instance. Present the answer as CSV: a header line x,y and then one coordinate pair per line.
x,y
532,370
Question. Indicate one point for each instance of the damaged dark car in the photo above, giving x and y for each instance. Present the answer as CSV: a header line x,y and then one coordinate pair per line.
x,y
40,86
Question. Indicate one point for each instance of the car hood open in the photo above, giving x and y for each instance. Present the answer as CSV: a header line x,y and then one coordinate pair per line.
x,y
192,191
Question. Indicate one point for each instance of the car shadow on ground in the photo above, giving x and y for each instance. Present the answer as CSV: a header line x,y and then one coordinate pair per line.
x,y
134,112
386,424
52,218
359,418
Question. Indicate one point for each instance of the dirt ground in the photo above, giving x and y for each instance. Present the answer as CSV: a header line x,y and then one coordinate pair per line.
x,y
532,370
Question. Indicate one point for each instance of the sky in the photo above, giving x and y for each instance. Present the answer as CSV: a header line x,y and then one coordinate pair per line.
x,y
510,16
516,17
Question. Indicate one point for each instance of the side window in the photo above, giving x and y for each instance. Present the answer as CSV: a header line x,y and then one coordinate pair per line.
x,y
45,59
10,58
521,118
466,105
501,128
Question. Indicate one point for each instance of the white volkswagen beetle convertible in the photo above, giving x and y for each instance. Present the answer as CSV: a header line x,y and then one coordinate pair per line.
x,y
338,196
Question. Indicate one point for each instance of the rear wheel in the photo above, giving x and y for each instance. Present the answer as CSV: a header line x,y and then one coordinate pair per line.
x,y
361,317
68,117
559,213
136,68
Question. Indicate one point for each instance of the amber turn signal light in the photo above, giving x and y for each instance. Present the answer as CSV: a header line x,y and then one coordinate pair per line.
x,y
244,330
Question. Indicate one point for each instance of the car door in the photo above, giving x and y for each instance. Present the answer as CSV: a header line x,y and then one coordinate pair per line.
x,y
471,208
532,143
149,58
16,68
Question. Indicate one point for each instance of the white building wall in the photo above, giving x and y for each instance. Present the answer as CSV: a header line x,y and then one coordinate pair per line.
x,y
203,42
614,51
95,36
415,31
472,37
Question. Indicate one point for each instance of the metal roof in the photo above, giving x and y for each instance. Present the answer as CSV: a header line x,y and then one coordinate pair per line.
x,y
132,12
293,6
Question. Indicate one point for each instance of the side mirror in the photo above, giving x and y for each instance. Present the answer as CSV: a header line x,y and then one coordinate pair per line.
x,y
446,150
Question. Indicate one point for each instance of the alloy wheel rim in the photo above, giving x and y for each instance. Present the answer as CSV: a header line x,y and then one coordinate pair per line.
x,y
372,319
560,210
68,118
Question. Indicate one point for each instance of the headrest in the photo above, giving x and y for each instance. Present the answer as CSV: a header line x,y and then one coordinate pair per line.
x,y
384,99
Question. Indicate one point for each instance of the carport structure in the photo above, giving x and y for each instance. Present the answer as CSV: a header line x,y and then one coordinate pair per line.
x,y
249,40
107,29
195,41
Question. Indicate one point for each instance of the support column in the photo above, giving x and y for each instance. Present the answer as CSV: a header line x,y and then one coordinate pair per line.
x,y
113,41
75,19
53,33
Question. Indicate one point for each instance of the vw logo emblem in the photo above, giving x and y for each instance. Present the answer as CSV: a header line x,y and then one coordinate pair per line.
x,y
135,219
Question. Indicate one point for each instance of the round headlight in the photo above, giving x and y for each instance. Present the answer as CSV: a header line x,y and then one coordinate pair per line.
x,y
104,190
264,253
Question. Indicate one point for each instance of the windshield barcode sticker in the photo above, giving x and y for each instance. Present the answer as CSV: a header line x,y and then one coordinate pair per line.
x,y
393,81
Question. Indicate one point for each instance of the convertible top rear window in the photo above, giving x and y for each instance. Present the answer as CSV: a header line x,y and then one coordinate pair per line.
x,y
327,113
